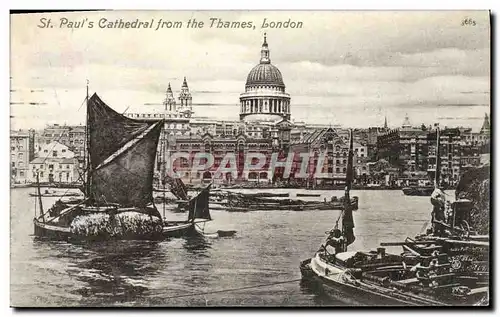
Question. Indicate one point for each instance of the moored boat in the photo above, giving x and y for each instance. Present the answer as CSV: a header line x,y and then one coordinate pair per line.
x,y
254,203
46,193
418,190
264,195
118,201
446,266
308,195
383,279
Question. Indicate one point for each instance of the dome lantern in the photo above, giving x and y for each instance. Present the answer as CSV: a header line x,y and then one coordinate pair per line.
x,y
264,52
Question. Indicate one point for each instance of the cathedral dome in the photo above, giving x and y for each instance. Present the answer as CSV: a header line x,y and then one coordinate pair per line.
x,y
265,98
265,74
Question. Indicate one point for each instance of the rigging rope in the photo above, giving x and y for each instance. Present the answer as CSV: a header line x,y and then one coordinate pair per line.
x,y
55,143
46,157
233,289
67,190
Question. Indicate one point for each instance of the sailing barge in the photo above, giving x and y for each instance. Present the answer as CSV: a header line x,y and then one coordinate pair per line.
x,y
118,200
448,265
418,190
239,202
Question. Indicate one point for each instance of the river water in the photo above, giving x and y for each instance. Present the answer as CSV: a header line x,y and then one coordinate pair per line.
x,y
267,249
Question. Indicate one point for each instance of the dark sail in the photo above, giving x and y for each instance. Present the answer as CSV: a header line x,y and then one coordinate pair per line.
x,y
347,220
126,177
177,187
108,130
198,206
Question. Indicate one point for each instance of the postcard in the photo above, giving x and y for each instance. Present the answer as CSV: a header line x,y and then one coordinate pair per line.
x,y
250,158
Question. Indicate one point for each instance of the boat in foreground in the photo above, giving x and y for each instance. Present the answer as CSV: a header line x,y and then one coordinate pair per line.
x,y
446,266
61,226
118,186
434,272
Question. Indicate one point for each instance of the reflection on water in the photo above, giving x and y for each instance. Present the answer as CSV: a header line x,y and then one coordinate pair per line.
x,y
268,248
319,297
197,245
115,270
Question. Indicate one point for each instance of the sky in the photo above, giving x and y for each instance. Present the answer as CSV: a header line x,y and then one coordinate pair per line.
x,y
348,68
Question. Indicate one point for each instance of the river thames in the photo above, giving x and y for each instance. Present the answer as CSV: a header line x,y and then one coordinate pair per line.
x,y
267,250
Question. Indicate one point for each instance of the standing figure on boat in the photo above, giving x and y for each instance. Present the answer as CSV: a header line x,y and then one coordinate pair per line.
x,y
335,240
438,201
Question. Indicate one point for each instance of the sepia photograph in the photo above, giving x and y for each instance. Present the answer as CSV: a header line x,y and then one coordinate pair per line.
x,y
250,159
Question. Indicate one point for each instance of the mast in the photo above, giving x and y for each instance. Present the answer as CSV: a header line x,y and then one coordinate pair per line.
x,y
194,213
87,147
39,196
349,173
347,219
438,158
163,169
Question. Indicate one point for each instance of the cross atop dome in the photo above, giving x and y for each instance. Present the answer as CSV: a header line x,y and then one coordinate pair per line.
x,y
264,52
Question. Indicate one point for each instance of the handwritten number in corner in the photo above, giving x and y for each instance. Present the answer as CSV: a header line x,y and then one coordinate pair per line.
x,y
468,22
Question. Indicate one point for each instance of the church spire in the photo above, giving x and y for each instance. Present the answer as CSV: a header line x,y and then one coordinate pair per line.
x,y
169,99
185,96
385,122
185,88
170,95
264,52
485,129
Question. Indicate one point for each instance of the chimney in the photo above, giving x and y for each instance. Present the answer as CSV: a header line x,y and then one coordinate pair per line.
x,y
380,252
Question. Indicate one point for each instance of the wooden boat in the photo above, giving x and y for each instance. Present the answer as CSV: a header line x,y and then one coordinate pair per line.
x,y
299,207
446,269
308,195
76,185
418,191
66,185
228,208
263,195
14,185
118,184
217,234
55,231
395,280
225,194
48,193
431,271
248,204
